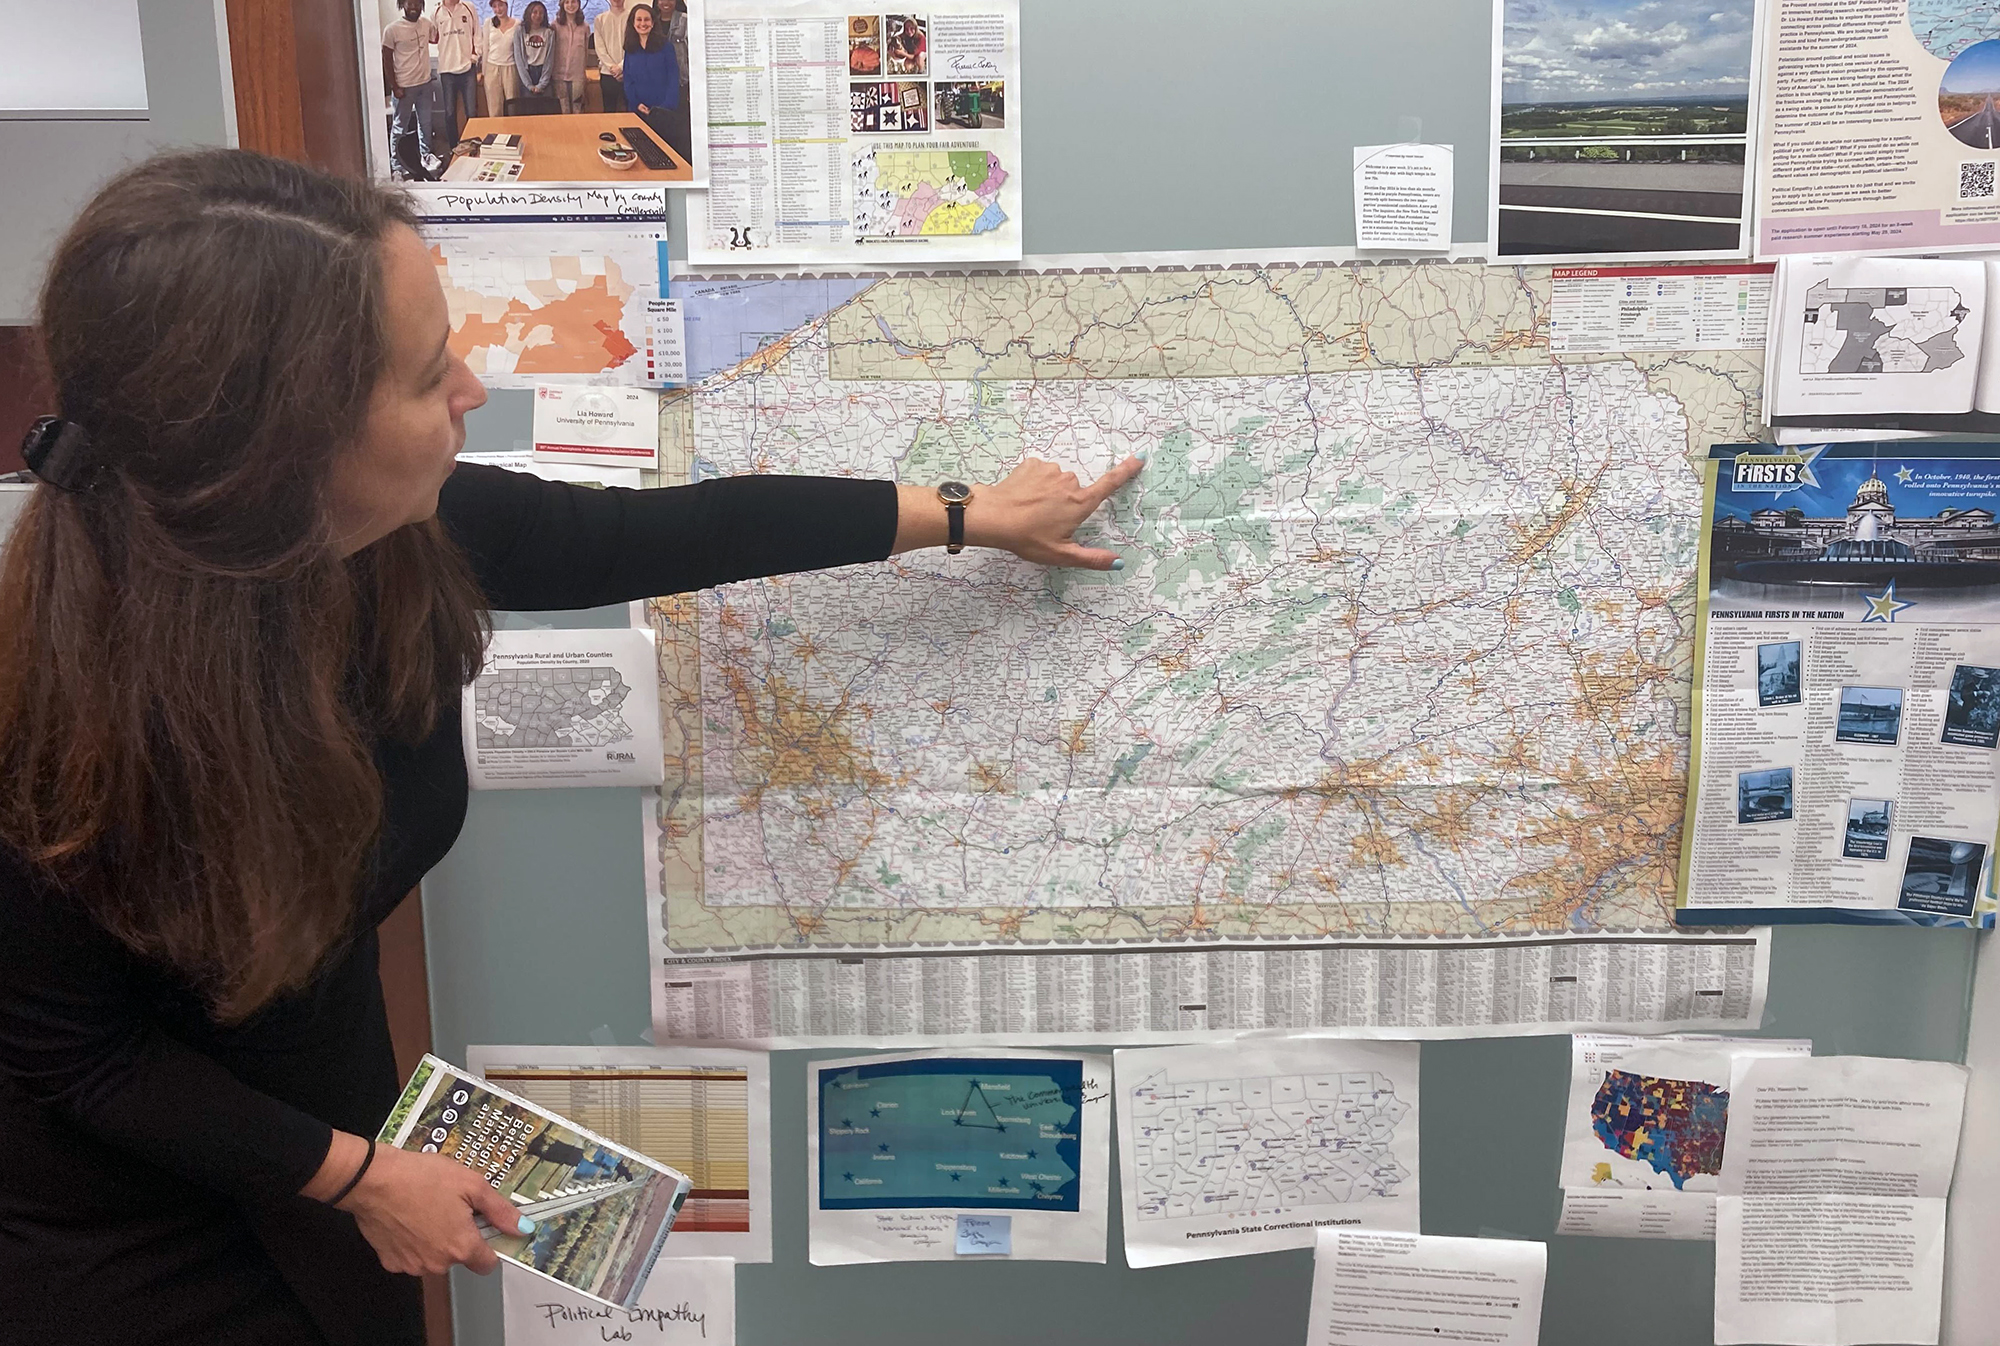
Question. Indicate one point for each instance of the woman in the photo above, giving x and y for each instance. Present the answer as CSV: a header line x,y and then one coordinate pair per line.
x,y
235,624
906,45
572,47
674,14
653,80
496,60
534,49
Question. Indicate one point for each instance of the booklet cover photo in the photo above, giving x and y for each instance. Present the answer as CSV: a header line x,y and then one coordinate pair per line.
x,y
601,1211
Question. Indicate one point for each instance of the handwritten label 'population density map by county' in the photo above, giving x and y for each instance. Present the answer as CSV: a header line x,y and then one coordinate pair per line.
x,y
1399,648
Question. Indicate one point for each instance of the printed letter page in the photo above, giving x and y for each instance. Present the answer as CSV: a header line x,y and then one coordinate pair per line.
x,y
1379,1289
1830,1218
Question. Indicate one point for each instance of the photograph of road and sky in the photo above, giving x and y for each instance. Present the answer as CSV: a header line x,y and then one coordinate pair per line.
x,y
1623,126
1969,96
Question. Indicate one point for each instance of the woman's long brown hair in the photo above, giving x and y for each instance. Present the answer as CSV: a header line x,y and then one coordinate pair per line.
x,y
192,678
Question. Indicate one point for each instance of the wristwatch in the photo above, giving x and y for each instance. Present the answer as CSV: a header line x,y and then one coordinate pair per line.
x,y
954,494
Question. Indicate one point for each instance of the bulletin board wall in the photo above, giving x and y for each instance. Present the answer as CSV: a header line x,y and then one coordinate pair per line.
x,y
1149,127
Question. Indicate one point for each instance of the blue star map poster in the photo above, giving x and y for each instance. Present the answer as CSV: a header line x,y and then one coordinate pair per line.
x,y
902,1146
989,1134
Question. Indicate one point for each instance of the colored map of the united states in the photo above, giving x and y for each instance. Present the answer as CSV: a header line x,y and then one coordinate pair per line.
x,y
1675,1125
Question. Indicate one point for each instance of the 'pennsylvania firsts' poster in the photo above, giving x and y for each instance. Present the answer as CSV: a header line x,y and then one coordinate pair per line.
x,y
1847,687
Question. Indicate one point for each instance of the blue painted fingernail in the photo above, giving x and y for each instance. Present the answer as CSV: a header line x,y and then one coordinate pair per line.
x,y
526,1226
1118,563
1140,456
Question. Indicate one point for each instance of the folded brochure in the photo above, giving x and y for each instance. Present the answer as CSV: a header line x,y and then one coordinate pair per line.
x,y
601,1211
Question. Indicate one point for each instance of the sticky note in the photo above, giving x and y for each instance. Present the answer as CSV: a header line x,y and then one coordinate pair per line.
x,y
985,1236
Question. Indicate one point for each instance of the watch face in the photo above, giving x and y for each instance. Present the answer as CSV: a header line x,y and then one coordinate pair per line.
x,y
954,492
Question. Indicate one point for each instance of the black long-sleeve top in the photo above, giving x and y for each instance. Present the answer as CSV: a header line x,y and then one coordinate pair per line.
x,y
150,1158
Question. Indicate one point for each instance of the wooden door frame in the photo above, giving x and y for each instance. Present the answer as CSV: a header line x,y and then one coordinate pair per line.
x,y
297,73
298,92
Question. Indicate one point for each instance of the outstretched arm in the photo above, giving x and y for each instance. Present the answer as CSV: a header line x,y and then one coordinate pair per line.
x,y
539,545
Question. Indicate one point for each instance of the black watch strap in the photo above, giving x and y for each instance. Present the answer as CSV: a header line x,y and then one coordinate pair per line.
x,y
954,523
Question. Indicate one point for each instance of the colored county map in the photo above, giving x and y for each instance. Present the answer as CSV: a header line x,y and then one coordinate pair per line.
x,y
1676,1126
521,314
550,708
1400,646
908,193
1948,27
980,1132
1880,331
1270,1145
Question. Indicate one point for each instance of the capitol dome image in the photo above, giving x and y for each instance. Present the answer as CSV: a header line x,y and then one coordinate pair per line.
x,y
1871,544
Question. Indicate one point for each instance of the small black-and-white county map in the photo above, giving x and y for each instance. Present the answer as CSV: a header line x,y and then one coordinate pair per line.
x,y
550,708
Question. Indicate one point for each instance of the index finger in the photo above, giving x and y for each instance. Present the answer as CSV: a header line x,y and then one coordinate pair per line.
x,y
1107,485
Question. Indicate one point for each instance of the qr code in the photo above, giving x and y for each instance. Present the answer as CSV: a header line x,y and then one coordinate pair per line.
x,y
1975,180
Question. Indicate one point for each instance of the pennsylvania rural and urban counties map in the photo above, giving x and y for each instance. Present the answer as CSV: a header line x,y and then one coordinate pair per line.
x,y
1401,644
1676,1126
1273,1144
550,708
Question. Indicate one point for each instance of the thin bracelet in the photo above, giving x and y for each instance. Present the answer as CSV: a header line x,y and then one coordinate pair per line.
x,y
355,1181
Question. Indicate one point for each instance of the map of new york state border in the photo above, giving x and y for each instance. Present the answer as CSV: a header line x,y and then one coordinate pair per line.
x,y
1401,646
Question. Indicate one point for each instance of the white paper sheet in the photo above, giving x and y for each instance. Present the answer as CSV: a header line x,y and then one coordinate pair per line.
x,y
898,1147
567,708
869,138
1255,1145
1402,197
1372,1288
617,427
1830,1218
685,1302
705,1111
1402,989
1643,1136
594,474
1860,336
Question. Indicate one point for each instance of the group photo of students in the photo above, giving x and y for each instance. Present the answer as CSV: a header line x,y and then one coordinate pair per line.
x,y
445,63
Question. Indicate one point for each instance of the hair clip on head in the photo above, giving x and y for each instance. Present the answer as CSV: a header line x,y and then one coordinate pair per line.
x,y
56,452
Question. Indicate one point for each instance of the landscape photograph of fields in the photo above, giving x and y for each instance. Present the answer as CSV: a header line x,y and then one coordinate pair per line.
x,y
1623,127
